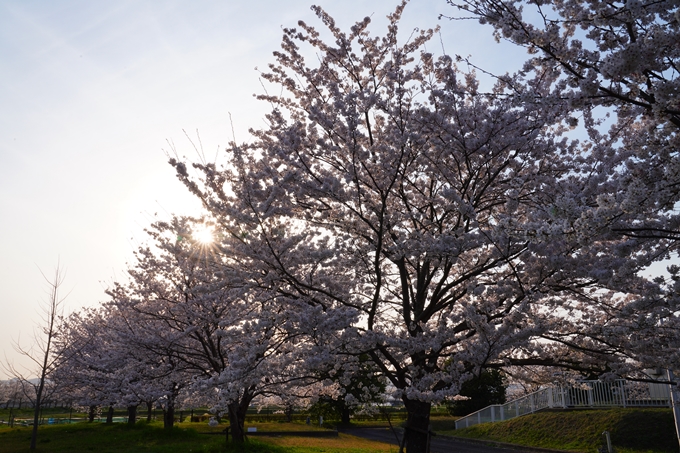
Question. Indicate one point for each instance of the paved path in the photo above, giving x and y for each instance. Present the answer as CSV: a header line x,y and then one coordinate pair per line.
x,y
437,444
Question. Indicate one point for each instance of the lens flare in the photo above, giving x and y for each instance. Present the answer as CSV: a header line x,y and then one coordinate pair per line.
x,y
204,234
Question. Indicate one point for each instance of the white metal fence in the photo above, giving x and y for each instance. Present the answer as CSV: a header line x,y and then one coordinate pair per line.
x,y
619,393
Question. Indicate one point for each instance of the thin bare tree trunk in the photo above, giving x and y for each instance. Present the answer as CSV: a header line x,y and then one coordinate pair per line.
x,y
45,359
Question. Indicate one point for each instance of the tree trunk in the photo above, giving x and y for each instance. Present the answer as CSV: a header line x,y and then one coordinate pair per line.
x,y
237,427
417,426
345,415
169,416
132,414
149,406
237,418
109,416
90,413
36,412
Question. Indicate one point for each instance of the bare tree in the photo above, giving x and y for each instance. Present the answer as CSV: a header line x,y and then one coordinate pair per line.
x,y
41,351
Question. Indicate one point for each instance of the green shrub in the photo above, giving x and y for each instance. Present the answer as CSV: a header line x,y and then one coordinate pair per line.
x,y
484,390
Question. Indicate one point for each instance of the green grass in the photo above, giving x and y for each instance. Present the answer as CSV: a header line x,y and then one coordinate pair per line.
x,y
186,437
439,424
632,430
270,427
341,444
119,438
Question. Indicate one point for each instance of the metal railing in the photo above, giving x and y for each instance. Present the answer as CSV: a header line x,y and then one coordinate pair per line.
x,y
619,393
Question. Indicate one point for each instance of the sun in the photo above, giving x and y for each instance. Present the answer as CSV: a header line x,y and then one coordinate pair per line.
x,y
204,234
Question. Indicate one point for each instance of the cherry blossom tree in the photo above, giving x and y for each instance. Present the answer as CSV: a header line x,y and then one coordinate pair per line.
x,y
81,373
399,212
5,393
195,307
107,364
359,383
617,57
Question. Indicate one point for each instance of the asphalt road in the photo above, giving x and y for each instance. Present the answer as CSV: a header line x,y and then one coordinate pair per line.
x,y
437,444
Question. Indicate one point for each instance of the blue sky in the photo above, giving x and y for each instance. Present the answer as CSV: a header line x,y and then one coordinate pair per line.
x,y
94,93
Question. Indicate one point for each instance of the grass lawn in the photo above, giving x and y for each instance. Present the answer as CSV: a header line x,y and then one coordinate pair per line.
x,y
101,438
341,444
186,437
440,424
632,430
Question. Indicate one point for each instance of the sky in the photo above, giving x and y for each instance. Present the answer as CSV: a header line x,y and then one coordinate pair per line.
x,y
94,96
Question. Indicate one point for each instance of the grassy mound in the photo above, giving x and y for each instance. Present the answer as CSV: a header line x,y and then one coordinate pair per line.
x,y
632,430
